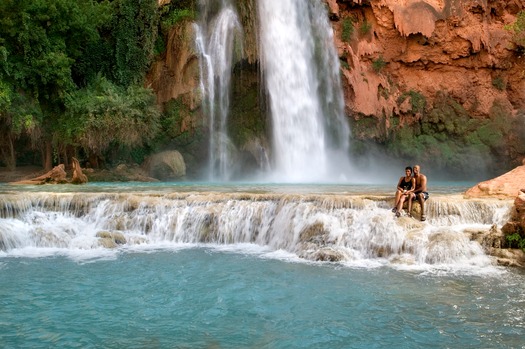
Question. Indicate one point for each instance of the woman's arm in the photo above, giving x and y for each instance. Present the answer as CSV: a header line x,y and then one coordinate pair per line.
x,y
399,184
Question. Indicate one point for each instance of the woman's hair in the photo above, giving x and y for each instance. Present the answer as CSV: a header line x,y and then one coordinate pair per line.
x,y
409,168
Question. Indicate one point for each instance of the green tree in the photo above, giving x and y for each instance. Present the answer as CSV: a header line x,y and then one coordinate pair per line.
x,y
134,30
105,115
40,41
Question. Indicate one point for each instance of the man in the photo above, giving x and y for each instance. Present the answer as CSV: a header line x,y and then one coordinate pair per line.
x,y
420,191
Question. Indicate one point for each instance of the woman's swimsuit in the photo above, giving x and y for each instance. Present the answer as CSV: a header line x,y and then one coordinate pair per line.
x,y
406,185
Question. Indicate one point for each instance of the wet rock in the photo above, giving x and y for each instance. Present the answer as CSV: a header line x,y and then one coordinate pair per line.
x,y
508,257
111,239
327,254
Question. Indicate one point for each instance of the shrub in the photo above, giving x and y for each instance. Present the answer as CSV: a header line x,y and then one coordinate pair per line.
x,y
518,30
516,240
378,64
347,30
365,27
499,83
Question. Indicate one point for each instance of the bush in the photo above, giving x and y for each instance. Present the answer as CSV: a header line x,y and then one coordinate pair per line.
x,y
378,64
347,30
516,240
365,27
518,30
499,83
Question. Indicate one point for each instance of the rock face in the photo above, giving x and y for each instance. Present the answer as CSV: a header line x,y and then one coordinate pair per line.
x,y
176,72
516,224
458,46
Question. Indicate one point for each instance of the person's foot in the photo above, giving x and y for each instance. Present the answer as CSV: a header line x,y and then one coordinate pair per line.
x,y
398,214
394,210
423,218
409,215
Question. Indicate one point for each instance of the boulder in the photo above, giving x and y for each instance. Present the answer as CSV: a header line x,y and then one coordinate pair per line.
x,y
166,165
506,186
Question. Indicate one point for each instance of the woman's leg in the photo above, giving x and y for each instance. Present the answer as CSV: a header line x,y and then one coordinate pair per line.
x,y
410,199
398,195
400,205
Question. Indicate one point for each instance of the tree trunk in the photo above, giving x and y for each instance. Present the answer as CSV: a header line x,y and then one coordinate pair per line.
x,y
48,156
56,176
78,176
9,154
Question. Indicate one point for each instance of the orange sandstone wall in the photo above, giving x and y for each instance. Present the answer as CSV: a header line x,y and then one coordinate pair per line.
x,y
457,47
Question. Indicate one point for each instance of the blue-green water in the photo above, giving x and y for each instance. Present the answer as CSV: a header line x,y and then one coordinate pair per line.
x,y
211,298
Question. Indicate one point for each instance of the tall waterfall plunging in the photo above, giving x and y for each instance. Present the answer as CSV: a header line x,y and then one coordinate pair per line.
x,y
301,70
215,39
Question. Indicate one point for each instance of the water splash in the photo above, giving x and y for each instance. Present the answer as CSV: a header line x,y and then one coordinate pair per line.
x,y
301,70
313,227
215,37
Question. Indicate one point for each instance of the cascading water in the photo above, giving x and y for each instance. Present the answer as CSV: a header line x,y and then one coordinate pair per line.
x,y
346,228
216,33
301,70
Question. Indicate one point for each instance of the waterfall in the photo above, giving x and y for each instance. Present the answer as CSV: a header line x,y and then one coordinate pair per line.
x,y
311,226
215,38
301,71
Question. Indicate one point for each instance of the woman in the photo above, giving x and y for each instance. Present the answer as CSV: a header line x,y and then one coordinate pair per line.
x,y
405,191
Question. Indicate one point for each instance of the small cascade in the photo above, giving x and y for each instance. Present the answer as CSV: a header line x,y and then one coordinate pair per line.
x,y
301,71
216,36
315,227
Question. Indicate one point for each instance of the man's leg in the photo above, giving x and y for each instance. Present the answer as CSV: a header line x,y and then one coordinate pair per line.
x,y
421,199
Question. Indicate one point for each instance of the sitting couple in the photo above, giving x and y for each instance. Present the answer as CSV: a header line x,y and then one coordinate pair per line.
x,y
410,187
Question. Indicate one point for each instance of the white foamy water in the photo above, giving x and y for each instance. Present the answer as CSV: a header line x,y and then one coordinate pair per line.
x,y
350,229
301,71
216,33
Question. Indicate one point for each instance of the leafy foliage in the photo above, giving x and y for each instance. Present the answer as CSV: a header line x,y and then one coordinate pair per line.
x,y
365,27
518,30
71,74
104,114
516,240
135,32
347,29
378,64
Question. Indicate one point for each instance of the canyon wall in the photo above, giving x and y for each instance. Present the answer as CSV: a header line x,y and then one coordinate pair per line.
x,y
440,82
440,77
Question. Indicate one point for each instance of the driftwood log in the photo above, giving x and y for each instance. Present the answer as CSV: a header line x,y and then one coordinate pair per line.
x,y
58,175
78,176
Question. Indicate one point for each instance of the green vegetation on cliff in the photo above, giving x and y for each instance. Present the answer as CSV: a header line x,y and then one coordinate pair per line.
x,y
72,76
443,136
